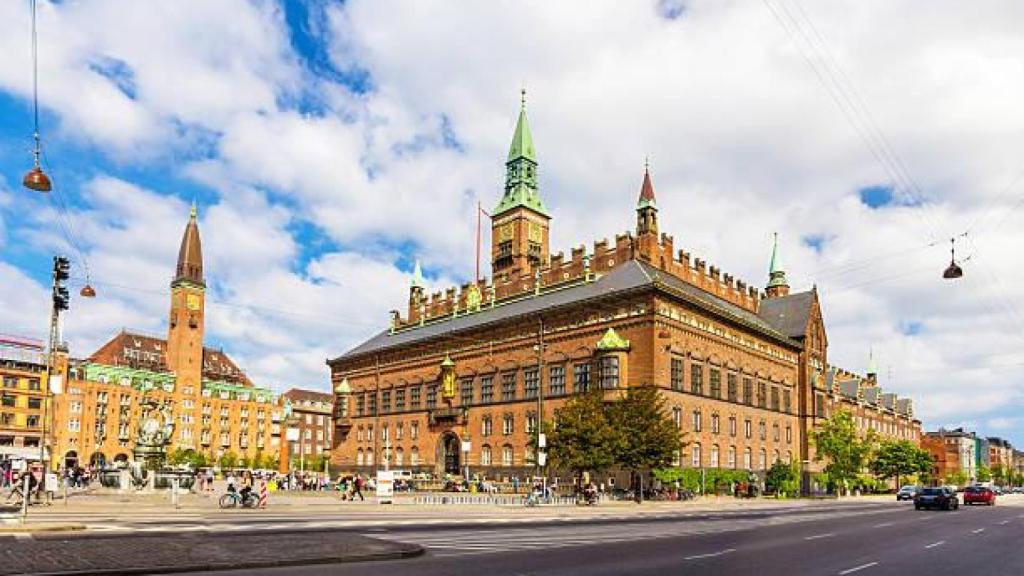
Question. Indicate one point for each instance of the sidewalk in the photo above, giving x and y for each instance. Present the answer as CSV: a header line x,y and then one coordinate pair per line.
x,y
191,552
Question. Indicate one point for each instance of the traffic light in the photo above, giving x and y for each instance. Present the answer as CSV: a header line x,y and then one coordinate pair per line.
x,y
61,272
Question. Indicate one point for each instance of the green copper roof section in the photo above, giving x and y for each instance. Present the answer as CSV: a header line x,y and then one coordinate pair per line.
x,y
447,362
776,275
522,140
417,276
612,341
872,365
521,187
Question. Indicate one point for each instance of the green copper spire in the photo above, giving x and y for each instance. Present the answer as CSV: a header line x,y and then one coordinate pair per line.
x,y
872,365
417,276
521,170
776,275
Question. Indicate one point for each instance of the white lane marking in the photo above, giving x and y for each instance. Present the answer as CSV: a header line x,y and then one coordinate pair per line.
x,y
1004,522
883,524
817,536
978,531
858,568
710,554
934,544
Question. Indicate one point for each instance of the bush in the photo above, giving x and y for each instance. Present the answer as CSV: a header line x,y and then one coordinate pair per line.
x,y
716,480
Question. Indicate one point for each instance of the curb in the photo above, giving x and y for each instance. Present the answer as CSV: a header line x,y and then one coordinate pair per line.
x,y
30,529
406,551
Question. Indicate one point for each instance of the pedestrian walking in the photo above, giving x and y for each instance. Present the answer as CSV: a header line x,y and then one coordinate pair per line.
x,y
357,486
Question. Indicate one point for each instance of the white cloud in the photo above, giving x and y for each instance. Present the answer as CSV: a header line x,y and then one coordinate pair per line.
x,y
743,137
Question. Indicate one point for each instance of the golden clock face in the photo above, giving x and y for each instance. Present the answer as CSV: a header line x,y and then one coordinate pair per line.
x,y
192,301
535,233
505,232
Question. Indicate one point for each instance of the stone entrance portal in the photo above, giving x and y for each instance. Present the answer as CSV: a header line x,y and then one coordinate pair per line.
x,y
448,454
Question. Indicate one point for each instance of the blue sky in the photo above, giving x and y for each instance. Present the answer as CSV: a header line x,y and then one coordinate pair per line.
x,y
330,145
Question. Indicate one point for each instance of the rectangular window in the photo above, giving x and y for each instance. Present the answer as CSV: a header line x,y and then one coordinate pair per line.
x,y
789,434
748,429
35,403
676,379
732,426
531,422
414,397
716,383
33,384
486,426
775,398
748,391
372,406
556,380
531,382
696,421
715,426
677,417
508,386
609,372
819,406
508,425
775,432
414,430
696,379
731,387
581,378
8,400
762,430
466,391
762,394
486,389
32,421
787,402
400,399
10,382
385,401
432,396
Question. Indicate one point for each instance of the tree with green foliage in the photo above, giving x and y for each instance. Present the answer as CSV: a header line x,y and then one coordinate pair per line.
x,y
984,474
837,441
783,479
958,478
228,460
647,438
899,459
582,439
999,475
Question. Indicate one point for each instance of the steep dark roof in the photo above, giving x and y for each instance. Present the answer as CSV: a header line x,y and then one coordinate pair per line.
x,y
631,276
788,314
190,255
150,353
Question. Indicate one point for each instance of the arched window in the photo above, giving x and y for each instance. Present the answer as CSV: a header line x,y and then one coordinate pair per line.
x,y
414,456
732,457
677,416
399,457
775,456
789,456
506,455
359,457
369,458
714,456
485,455
762,460
695,455
747,459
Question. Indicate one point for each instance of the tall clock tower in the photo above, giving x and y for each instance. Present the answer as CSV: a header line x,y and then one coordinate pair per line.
x,y
520,223
188,296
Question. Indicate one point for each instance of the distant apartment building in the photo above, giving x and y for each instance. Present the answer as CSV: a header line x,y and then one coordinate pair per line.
x,y
953,451
313,422
1000,453
23,376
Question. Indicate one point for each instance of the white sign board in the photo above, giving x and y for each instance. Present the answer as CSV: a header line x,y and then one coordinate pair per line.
x,y
56,384
385,486
466,446
292,435
542,458
542,440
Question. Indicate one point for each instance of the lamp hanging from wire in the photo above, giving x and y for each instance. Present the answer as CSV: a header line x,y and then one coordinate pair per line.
x,y
953,271
36,179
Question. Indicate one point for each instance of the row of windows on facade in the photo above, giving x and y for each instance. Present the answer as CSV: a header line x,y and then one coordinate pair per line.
x,y
11,382
10,419
697,425
396,457
75,407
30,402
27,441
714,460
779,401
508,427
366,403
124,417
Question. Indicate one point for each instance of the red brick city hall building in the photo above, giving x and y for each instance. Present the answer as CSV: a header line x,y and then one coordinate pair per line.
x,y
462,378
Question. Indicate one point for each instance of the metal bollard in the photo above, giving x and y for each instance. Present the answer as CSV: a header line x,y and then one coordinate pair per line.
x,y
66,482
174,492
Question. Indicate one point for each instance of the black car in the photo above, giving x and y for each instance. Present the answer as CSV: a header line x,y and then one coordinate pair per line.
x,y
941,498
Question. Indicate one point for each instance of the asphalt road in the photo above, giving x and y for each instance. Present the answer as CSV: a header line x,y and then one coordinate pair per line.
x,y
889,539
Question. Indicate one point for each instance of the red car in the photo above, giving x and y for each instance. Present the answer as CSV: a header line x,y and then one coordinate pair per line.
x,y
979,495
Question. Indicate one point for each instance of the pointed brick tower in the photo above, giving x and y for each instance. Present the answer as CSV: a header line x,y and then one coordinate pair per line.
x,y
188,296
520,222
